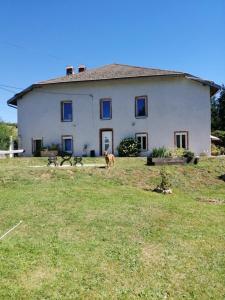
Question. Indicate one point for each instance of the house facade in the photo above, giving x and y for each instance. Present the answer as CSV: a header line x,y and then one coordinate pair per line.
x,y
93,110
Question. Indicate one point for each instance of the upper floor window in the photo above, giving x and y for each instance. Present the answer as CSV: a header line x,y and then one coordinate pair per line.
x,y
106,109
66,111
181,139
141,107
142,139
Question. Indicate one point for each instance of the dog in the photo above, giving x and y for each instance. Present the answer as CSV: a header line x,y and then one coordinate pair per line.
x,y
109,159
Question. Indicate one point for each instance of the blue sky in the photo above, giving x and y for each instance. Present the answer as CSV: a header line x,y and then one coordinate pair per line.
x,y
39,38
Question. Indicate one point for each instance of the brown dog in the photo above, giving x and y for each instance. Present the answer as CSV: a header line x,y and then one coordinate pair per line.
x,y
109,159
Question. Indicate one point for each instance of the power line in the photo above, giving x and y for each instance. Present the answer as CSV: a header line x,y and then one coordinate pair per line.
x,y
10,86
7,90
29,49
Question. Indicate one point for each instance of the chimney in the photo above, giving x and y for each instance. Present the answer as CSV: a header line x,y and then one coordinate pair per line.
x,y
69,70
81,68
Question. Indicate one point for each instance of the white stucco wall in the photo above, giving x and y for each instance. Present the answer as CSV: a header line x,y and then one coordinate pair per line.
x,y
174,104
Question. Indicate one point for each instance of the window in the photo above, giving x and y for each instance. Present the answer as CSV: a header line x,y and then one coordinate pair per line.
x,y
67,144
66,111
105,109
142,139
141,109
181,139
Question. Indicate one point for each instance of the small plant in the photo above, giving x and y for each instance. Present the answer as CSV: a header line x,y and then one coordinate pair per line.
x,y
189,155
165,184
53,147
128,147
160,152
215,150
165,180
176,152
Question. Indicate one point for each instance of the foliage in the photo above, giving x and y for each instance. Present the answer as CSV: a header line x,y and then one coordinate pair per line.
x,y
128,147
53,147
215,123
176,152
218,111
189,155
215,150
165,179
6,131
221,135
160,152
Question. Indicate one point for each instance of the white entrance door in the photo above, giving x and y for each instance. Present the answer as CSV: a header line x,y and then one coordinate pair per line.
x,y
107,141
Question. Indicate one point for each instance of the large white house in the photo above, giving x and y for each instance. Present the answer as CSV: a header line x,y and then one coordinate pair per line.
x,y
95,109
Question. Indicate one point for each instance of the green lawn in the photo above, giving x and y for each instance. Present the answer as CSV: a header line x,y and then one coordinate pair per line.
x,y
93,233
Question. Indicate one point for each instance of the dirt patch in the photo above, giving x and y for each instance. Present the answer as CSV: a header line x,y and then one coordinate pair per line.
x,y
211,201
152,254
34,278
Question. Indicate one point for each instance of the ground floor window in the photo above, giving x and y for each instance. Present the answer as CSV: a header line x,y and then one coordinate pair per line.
x,y
181,139
67,143
37,145
142,139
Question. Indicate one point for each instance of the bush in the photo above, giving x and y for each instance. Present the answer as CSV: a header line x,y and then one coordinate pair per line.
x,y
165,180
221,135
176,152
128,147
5,132
215,150
160,152
189,155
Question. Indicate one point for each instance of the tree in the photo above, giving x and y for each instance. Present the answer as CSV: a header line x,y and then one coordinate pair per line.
x,y
218,111
221,109
214,113
6,131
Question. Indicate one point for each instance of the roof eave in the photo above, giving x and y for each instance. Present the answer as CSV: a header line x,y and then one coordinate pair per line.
x,y
214,87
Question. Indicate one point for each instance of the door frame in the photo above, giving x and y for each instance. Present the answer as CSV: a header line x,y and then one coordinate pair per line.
x,y
100,139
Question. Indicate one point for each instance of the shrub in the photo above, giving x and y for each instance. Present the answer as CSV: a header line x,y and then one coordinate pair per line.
x,y
176,152
215,150
189,155
53,147
128,147
160,152
165,180
221,135
5,132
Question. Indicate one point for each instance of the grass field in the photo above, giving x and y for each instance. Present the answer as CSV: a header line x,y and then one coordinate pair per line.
x,y
93,233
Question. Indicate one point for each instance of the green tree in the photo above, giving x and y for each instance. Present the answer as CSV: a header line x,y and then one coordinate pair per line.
x,y
6,131
214,113
221,109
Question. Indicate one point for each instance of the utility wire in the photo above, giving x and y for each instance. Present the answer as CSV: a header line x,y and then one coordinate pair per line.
x,y
10,86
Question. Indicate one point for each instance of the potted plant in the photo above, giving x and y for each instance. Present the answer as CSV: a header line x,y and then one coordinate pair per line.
x,y
51,150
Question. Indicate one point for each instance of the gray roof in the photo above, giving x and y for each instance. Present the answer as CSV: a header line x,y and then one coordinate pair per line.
x,y
111,72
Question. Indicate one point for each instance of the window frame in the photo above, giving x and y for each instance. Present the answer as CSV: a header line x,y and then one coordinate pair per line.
x,y
182,132
62,110
142,134
146,107
102,100
66,137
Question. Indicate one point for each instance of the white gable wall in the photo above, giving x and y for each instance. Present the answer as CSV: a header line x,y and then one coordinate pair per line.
x,y
174,104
